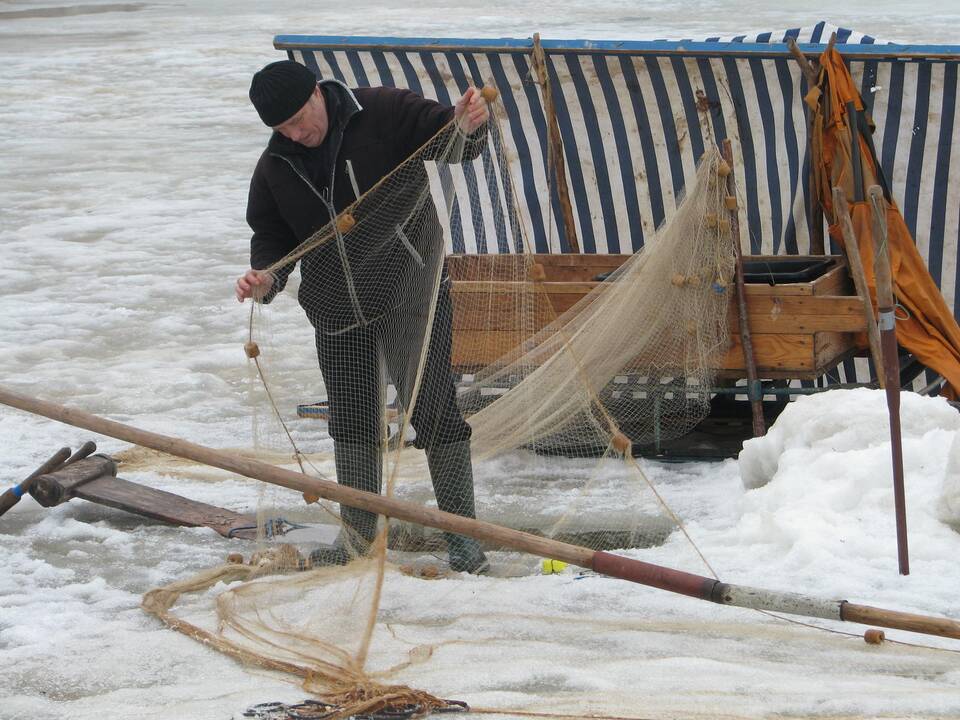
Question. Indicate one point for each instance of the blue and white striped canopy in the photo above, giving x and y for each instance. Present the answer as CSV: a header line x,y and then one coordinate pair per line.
x,y
632,129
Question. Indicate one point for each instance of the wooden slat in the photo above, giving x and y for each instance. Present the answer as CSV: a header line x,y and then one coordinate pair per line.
x,y
570,267
160,505
803,314
520,288
779,353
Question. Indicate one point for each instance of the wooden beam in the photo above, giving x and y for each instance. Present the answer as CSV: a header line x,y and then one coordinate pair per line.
x,y
753,381
815,216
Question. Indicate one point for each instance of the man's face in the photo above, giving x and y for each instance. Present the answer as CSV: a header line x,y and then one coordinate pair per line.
x,y
309,124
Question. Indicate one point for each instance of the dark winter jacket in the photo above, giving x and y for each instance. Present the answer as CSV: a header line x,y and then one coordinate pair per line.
x,y
295,191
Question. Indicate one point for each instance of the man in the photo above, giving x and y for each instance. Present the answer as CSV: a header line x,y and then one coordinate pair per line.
x,y
367,300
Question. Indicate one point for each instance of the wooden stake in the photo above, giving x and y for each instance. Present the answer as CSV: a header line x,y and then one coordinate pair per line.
x,y
555,145
746,342
841,212
886,309
616,566
815,218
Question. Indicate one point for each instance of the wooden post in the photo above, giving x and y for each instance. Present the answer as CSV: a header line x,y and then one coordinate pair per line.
x,y
556,169
815,217
841,212
753,382
886,308
616,566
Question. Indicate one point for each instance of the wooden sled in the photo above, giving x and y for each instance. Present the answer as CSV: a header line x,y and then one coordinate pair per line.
x,y
95,479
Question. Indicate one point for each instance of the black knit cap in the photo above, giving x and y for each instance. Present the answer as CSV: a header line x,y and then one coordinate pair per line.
x,y
280,89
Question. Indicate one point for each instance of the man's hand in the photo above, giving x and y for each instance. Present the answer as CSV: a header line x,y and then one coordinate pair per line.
x,y
471,111
253,284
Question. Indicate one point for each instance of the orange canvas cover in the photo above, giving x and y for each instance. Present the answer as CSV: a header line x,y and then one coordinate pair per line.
x,y
925,325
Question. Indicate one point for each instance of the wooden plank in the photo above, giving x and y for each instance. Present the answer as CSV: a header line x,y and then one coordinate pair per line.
x,y
803,314
164,506
509,312
477,308
803,324
835,282
519,288
831,348
477,348
778,353
570,267
783,353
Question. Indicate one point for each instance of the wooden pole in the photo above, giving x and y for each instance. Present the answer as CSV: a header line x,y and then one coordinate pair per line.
x,y
616,566
746,341
842,215
815,217
556,168
886,308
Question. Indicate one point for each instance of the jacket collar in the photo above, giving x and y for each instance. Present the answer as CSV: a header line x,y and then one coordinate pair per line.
x,y
342,105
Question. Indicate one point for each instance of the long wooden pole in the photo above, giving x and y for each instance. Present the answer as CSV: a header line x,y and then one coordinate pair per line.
x,y
556,168
746,340
815,217
842,214
605,563
891,365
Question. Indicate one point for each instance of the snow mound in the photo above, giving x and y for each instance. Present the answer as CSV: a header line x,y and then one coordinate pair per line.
x,y
820,487
948,509
838,423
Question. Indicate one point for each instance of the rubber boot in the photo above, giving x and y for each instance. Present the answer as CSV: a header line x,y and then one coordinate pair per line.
x,y
359,466
452,476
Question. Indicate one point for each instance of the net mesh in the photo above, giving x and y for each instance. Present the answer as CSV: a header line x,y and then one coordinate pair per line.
x,y
506,387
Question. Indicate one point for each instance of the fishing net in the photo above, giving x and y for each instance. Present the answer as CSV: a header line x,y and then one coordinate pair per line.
x,y
511,387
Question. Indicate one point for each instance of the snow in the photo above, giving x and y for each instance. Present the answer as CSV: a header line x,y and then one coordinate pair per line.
x,y
128,141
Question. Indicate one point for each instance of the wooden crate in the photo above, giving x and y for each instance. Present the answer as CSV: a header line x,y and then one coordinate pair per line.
x,y
800,330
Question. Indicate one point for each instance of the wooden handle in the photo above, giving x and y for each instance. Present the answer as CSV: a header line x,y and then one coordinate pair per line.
x,y
881,255
85,451
842,213
12,497
725,170
489,93
866,615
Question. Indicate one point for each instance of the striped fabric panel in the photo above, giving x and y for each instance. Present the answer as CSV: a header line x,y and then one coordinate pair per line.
x,y
819,33
632,132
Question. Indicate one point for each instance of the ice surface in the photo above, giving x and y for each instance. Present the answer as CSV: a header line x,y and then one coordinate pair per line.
x,y
127,142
